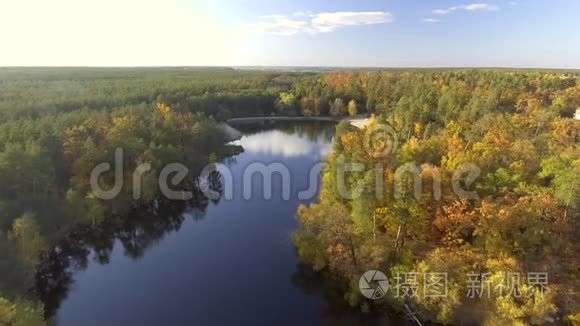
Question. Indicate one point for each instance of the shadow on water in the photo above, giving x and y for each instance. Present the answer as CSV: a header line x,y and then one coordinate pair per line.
x,y
337,311
142,229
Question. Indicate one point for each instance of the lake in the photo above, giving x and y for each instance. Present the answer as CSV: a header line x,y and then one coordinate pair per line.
x,y
223,262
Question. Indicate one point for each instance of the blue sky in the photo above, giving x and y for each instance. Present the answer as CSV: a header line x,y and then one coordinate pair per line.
x,y
388,33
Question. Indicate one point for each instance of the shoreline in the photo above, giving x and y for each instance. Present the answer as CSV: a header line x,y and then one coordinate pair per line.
x,y
359,121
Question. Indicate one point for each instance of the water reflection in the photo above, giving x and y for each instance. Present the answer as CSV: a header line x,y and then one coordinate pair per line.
x,y
231,262
136,233
293,141
337,311
275,143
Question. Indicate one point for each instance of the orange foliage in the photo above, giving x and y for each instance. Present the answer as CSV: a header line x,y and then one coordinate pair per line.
x,y
456,222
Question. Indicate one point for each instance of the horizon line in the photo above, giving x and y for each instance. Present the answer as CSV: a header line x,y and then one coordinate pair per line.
x,y
288,67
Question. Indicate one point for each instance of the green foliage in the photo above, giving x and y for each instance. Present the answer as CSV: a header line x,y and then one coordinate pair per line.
x,y
55,131
337,108
516,128
20,313
352,108
57,124
26,232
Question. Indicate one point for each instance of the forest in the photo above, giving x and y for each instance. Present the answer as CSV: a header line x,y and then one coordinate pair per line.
x,y
516,126
55,129
517,129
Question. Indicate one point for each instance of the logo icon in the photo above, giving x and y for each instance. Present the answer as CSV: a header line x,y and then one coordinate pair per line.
x,y
370,278
381,140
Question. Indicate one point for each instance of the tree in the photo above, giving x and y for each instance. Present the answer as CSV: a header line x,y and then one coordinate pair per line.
x,y
505,127
352,108
20,313
456,223
26,171
95,210
308,106
26,231
327,239
287,103
337,108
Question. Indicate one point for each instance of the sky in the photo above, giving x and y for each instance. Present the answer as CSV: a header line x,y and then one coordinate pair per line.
x,y
343,33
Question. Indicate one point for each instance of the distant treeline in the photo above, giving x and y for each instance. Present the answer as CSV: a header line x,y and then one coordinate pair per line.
x,y
35,92
225,93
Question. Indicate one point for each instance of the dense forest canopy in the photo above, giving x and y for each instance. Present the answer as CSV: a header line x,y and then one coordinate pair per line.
x,y
516,126
33,93
517,130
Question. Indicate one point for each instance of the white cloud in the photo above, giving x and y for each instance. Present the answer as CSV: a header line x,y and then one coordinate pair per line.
x,y
281,25
324,22
480,6
513,3
330,21
445,11
302,13
467,7
431,20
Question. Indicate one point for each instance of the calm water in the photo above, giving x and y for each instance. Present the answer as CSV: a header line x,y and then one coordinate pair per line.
x,y
223,263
